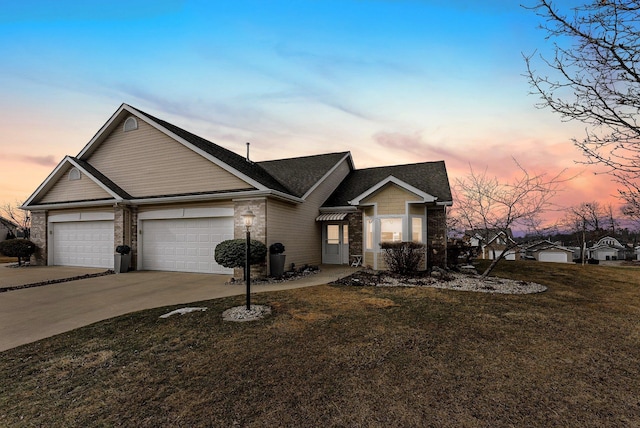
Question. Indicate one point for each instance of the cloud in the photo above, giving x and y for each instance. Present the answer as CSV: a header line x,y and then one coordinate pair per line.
x,y
48,160
414,144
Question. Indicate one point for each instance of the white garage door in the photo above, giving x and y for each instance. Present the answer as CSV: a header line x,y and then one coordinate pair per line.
x,y
553,257
83,243
184,245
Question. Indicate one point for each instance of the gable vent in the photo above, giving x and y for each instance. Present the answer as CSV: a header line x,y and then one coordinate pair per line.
x,y
130,124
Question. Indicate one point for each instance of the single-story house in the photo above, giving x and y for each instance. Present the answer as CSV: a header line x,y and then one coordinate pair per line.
x,y
607,248
547,251
173,196
491,243
8,229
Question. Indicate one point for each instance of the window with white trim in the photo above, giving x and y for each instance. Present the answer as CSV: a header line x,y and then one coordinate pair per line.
x,y
391,229
417,228
368,234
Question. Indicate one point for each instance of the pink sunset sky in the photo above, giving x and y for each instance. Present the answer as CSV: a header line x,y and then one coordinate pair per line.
x,y
392,81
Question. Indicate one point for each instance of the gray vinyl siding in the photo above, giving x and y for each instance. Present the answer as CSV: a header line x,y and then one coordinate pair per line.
x,y
296,227
146,162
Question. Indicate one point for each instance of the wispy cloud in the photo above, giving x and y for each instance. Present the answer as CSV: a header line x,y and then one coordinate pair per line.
x,y
48,160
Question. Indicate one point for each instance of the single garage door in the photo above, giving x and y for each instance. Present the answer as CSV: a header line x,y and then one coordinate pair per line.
x,y
83,243
184,245
553,257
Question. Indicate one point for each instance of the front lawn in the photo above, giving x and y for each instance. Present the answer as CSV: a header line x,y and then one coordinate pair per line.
x,y
352,356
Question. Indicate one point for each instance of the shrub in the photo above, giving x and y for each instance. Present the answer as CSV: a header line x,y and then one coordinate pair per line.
x,y
232,253
276,248
20,248
404,258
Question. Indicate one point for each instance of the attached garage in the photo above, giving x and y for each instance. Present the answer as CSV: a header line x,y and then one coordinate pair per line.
x,y
81,243
182,244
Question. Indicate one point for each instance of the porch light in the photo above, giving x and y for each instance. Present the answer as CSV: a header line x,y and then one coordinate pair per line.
x,y
247,218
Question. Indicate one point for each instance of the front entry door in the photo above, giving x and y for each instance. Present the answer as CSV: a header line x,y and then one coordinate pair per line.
x,y
335,243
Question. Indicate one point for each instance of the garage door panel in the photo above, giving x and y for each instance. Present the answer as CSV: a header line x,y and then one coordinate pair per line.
x,y
184,245
83,243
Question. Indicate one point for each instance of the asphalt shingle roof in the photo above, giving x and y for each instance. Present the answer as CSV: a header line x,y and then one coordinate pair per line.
x,y
102,178
429,177
300,174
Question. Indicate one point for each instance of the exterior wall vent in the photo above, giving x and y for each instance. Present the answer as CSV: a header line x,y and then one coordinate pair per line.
x,y
74,174
131,124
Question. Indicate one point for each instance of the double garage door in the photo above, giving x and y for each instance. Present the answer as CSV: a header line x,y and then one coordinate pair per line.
x,y
182,245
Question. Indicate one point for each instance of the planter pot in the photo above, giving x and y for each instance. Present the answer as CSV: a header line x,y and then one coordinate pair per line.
x,y
276,264
121,263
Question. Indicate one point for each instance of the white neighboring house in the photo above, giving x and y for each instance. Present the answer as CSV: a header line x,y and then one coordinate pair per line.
x,y
7,226
496,244
607,248
547,251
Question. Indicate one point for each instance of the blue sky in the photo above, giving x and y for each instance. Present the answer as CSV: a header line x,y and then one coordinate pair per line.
x,y
392,81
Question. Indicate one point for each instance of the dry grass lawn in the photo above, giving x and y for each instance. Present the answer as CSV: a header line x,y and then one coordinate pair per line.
x,y
352,356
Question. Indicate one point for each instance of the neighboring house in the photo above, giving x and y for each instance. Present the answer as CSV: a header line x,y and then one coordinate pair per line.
x,y
173,196
8,229
547,251
607,248
491,243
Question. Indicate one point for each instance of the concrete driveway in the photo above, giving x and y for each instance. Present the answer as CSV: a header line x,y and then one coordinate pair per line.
x,y
31,314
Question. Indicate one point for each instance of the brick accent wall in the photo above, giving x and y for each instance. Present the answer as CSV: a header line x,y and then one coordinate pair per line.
x,y
258,231
134,237
436,237
39,231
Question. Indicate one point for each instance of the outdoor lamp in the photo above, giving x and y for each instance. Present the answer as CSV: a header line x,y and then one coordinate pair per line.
x,y
247,218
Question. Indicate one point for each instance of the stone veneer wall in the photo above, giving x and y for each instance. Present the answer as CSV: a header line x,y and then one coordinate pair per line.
x,y
126,230
436,237
39,233
258,231
355,234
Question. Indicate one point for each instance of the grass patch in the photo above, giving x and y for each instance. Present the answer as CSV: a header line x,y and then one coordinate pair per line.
x,y
351,356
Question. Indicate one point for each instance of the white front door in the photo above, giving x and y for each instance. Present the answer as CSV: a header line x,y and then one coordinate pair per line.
x,y
335,243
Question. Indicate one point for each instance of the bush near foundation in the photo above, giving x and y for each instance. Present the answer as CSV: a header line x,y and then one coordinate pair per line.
x,y
232,253
404,258
20,248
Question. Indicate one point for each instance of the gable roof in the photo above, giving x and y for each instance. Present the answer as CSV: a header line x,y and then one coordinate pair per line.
x,y
96,176
427,177
301,174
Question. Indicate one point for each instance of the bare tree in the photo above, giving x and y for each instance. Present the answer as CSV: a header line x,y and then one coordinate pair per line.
x,y
584,220
16,215
594,78
485,204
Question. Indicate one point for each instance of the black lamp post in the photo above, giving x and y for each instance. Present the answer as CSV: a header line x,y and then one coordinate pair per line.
x,y
248,217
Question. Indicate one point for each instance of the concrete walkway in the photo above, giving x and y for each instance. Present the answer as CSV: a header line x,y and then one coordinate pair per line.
x,y
35,313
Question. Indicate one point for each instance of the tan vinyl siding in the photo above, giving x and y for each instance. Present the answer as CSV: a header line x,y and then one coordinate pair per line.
x,y
215,204
74,190
415,209
391,199
296,227
146,162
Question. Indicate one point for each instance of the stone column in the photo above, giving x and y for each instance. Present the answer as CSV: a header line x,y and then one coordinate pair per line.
x,y
437,237
39,233
258,230
355,234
